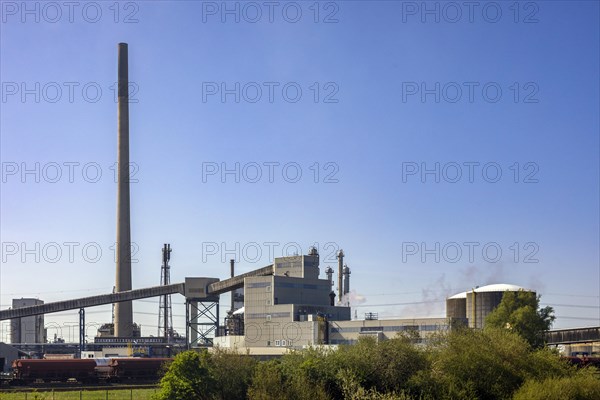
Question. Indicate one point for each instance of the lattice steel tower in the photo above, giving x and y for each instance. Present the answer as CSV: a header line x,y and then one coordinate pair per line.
x,y
165,311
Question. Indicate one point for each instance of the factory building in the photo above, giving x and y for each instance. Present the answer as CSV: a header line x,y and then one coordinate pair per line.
x,y
290,307
476,304
349,332
27,329
293,308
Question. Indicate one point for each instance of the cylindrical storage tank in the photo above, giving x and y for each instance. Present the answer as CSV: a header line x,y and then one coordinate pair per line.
x,y
483,300
456,306
480,304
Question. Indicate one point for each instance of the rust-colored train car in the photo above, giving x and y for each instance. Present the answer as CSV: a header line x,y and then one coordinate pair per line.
x,y
138,369
29,371
584,361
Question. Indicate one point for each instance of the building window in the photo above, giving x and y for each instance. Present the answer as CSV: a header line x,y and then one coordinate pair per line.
x,y
268,317
268,302
268,342
289,343
268,288
277,343
371,328
283,343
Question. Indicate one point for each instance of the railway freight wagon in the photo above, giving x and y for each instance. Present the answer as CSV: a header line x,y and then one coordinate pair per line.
x,y
29,371
137,369
584,361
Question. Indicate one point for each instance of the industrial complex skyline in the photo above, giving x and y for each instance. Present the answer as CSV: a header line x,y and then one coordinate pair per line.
x,y
440,154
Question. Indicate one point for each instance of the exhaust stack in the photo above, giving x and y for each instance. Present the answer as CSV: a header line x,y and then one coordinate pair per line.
x,y
232,264
123,310
346,279
340,257
329,274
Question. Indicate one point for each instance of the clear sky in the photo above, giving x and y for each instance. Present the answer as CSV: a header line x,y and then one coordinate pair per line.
x,y
443,146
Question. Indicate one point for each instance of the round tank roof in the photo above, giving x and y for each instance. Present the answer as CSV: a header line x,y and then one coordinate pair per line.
x,y
497,287
462,295
501,287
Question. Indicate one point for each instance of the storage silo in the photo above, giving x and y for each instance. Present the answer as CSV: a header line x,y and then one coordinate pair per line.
x,y
456,306
479,302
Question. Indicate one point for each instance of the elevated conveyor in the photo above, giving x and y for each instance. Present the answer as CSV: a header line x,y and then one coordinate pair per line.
x,y
215,289
92,301
237,282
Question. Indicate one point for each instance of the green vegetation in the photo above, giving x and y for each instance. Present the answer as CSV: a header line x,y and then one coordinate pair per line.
x,y
463,364
519,312
222,375
580,386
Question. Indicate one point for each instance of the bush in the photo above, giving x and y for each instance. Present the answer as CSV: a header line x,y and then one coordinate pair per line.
x,y
276,380
462,364
582,386
352,390
268,382
233,373
188,377
477,364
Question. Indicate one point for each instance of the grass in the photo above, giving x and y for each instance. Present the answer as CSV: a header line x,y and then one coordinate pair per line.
x,y
125,394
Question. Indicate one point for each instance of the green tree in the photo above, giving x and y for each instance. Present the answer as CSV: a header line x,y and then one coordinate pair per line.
x,y
188,377
488,364
268,382
285,379
232,371
519,312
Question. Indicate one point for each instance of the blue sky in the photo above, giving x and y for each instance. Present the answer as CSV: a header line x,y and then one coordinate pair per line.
x,y
387,91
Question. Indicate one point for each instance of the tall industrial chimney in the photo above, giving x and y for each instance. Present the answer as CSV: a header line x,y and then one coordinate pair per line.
x,y
123,310
340,257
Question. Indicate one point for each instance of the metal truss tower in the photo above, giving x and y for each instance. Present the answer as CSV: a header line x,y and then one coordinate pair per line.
x,y
165,311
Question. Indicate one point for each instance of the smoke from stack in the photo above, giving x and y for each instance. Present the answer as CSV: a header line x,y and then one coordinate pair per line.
x,y
123,310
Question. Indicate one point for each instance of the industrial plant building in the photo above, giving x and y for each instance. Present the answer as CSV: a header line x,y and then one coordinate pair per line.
x,y
280,307
27,329
293,308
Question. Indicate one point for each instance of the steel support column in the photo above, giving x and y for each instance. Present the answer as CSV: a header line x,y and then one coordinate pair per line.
x,y
202,320
81,331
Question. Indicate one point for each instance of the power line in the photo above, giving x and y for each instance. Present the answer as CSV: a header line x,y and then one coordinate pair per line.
x,y
571,295
578,318
573,305
390,294
54,291
399,304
